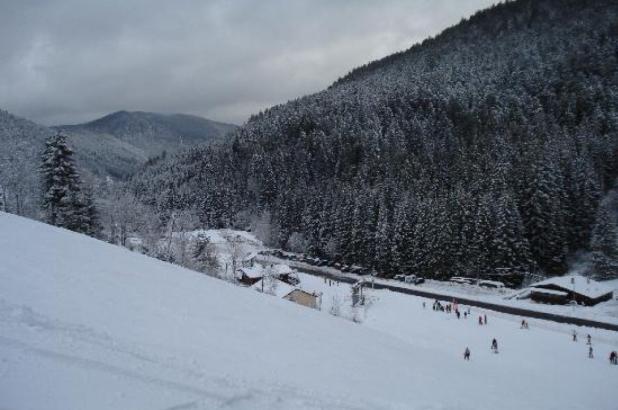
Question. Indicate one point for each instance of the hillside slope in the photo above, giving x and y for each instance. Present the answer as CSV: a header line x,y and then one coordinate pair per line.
x,y
484,151
84,324
117,143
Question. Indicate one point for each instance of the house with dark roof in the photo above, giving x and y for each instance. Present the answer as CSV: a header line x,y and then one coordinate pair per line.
x,y
571,288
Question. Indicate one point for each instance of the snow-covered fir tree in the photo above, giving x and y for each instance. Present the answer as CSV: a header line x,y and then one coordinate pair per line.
x,y
604,239
62,200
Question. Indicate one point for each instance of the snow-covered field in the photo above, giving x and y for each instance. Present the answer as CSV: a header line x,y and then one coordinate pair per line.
x,y
604,312
84,324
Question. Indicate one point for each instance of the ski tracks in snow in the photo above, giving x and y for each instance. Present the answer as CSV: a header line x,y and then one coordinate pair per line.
x,y
99,352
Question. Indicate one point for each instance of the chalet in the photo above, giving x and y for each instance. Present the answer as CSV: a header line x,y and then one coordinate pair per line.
x,y
572,288
304,298
249,275
552,297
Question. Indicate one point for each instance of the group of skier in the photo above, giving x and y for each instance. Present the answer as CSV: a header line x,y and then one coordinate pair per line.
x,y
449,308
482,321
494,349
613,356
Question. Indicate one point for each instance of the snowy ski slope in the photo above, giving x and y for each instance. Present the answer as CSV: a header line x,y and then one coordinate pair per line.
x,y
87,325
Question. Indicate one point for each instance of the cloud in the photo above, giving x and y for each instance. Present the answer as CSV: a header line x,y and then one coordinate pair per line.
x,y
65,61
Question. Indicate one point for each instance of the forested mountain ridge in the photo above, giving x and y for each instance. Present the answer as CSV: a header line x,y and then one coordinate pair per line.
x,y
113,146
484,151
118,143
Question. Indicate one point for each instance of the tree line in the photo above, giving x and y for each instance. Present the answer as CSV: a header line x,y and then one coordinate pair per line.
x,y
485,151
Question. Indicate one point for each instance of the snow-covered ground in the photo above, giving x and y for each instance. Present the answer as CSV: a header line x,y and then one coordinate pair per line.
x,y
84,324
604,312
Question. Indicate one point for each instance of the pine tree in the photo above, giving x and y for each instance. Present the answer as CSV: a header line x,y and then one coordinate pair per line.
x,y
60,184
544,217
510,248
92,222
604,242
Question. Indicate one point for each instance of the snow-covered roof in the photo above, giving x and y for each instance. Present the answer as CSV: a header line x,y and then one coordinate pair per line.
x,y
252,272
578,284
491,283
282,269
314,294
548,292
281,288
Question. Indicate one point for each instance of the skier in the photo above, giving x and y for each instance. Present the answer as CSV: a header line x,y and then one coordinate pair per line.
x,y
574,335
589,342
467,354
465,315
494,346
613,357
523,324
458,314
481,320
590,355
423,305
485,318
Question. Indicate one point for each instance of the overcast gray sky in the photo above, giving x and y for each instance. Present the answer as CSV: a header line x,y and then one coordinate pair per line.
x,y
68,61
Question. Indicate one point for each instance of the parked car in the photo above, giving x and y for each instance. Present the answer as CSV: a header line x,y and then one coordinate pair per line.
x,y
491,284
400,278
419,280
356,269
462,281
410,279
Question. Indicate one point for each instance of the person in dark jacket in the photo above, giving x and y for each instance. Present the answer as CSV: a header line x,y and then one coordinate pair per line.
x,y
494,346
467,354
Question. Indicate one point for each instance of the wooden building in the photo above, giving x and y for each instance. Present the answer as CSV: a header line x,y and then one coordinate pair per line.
x,y
249,275
571,288
304,298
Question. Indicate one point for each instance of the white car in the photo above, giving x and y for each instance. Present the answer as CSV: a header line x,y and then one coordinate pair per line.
x,y
410,279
